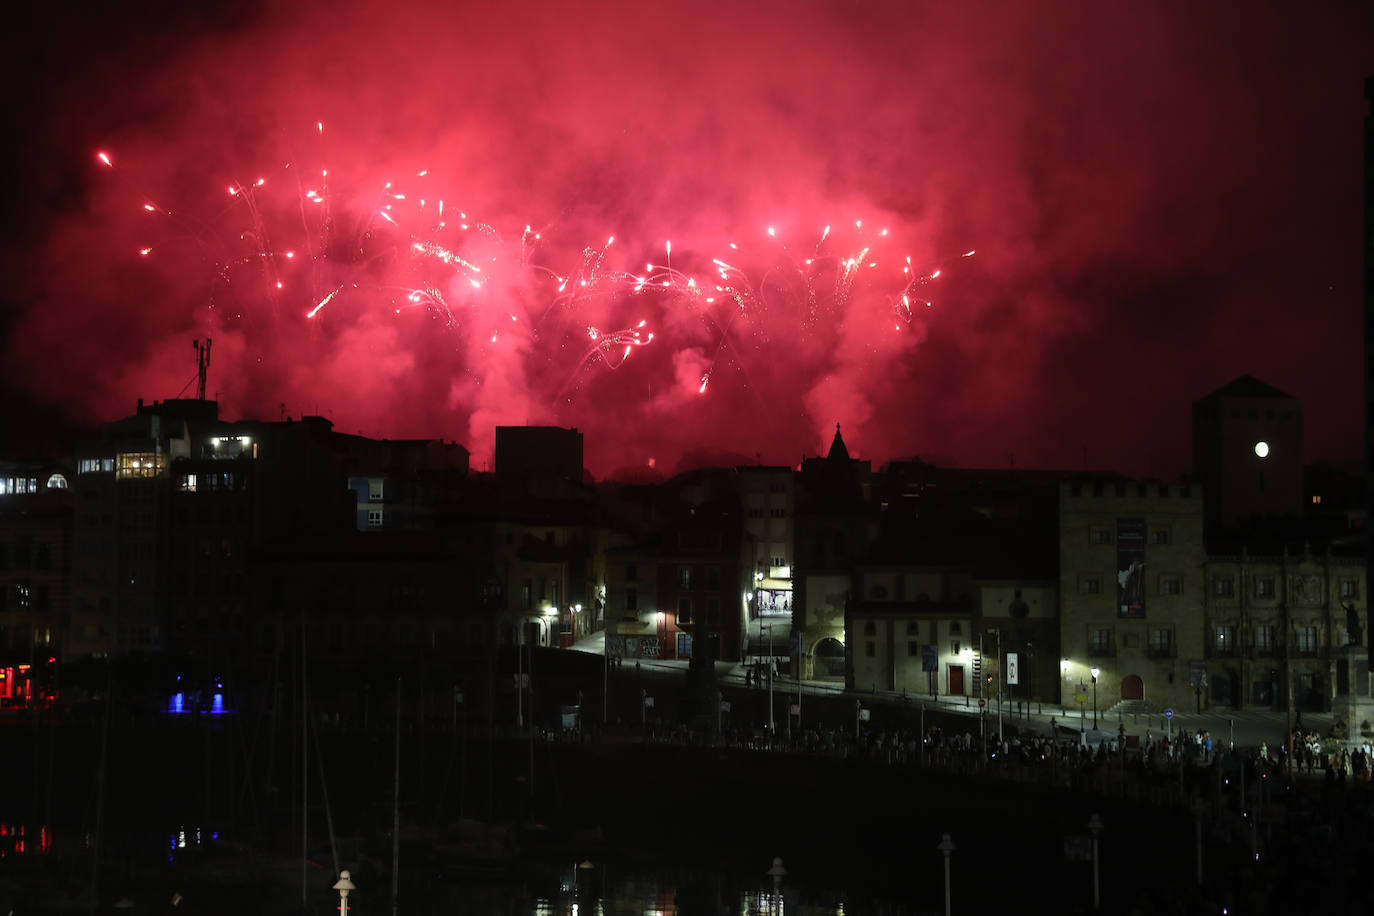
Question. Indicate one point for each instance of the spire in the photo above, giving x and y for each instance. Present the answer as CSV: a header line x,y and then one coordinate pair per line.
x,y
837,450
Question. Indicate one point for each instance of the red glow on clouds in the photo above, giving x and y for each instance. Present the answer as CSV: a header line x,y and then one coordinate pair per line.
x,y
438,221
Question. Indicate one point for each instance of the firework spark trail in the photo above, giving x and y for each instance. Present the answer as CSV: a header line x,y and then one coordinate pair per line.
x,y
446,268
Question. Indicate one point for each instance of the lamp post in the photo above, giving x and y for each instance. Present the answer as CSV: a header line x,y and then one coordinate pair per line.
x,y
777,873
769,630
1095,828
343,886
997,631
1095,672
946,846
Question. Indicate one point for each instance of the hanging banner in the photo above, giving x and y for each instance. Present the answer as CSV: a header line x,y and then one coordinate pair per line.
x,y
1013,669
1130,568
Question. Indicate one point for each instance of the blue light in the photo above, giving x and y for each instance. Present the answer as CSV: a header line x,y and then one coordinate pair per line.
x,y
178,703
218,708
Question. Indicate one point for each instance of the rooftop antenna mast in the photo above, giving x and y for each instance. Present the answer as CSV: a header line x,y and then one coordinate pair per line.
x,y
202,365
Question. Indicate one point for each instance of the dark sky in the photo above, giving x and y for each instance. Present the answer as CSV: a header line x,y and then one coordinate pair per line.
x,y
1159,198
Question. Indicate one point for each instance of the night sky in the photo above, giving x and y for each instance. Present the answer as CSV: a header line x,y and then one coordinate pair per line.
x,y
1157,199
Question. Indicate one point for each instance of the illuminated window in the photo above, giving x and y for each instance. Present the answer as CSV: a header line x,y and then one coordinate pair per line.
x,y
374,518
374,490
1316,499
186,483
685,577
138,464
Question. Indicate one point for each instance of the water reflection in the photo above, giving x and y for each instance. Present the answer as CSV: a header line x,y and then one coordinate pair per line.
x,y
18,839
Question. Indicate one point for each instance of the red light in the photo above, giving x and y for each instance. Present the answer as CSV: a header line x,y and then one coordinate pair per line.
x,y
52,659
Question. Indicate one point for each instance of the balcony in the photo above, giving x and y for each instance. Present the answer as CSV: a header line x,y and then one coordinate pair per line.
x,y
1100,650
1162,652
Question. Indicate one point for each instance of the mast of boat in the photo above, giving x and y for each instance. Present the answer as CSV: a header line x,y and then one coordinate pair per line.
x,y
100,782
305,771
396,810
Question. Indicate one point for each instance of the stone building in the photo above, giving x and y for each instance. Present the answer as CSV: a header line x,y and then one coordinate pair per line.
x,y
1131,591
1276,622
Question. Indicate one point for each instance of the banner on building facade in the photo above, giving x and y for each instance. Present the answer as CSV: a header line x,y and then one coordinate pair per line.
x,y
1130,567
1013,669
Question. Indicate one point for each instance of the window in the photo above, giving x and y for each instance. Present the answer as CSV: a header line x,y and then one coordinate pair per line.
x,y
374,490
954,647
1307,641
713,577
1264,640
870,628
777,513
1161,536
1101,535
685,577
756,511
913,648
712,609
1161,643
684,611
631,572
1264,588
527,594
1101,642
1316,499
1089,585
1225,640
186,483
870,649
631,599
955,629
139,464
1170,585
1350,588
1224,586
913,628
374,518
877,592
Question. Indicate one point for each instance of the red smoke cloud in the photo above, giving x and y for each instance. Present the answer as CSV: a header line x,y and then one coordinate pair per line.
x,y
1156,202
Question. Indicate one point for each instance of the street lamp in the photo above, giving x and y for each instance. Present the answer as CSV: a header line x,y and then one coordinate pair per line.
x,y
946,846
777,873
1095,672
1095,827
343,886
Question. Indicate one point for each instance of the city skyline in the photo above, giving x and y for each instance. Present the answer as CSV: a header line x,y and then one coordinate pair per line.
x,y
1156,204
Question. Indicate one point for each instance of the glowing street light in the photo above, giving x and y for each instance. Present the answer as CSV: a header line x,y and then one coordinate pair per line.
x,y
343,886
1095,672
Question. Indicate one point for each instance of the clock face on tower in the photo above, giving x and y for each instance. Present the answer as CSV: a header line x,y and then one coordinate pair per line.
x,y
1262,449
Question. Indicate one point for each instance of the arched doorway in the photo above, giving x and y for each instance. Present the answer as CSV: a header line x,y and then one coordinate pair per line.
x,y
829,659
1132,687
